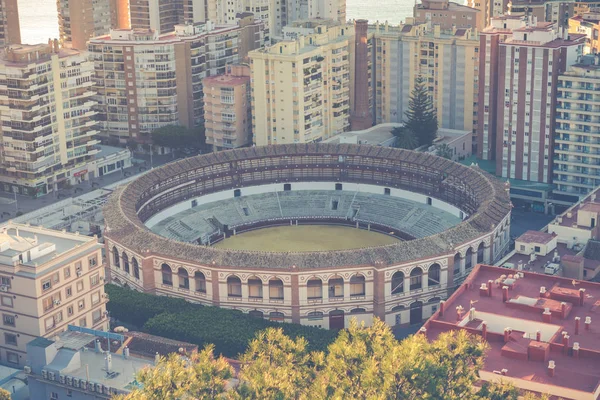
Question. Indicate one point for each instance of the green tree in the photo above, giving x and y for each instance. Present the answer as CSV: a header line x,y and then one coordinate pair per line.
x,y
178,137
277,367
443,150
421,117
199,376
358,364
405,138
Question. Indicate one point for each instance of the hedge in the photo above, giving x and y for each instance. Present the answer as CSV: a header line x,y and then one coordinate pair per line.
x,y
229,330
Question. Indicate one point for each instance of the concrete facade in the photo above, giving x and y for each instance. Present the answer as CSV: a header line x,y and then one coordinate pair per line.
x,y
448,14
49,279
10,29
80,20
46,102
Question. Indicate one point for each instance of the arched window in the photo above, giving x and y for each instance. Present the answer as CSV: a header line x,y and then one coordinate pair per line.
x,y
167,275
456,264
256,314
125,262
357,285
480,251
398,282
416,278
433,275
234,287
275,289
136,268
358,311
116,259
315,316
276,316
255,288
314,288
336,287
398,317
200,281
184,278
469,259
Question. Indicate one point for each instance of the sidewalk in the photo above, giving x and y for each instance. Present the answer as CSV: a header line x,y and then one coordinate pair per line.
x,y
26,204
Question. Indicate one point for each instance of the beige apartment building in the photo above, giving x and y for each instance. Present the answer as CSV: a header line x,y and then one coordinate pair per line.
x,y
163,15
48,280
448,14
489,9
227,111
146,80
302,86
10,29
47,109
80,20
447,59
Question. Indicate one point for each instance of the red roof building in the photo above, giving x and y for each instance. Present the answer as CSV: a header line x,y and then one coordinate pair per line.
x,y
543,331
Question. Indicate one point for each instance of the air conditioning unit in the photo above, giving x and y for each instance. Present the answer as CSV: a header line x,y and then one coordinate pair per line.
x,y
91,387
83,384
61,379
44,374
51,376
69,381
57,302
3,288
27,369
75,382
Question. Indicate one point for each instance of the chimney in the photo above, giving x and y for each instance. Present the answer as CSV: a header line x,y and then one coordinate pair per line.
x,y
459,311
563,310
565,342
442,306
551,366
98,346
504,371
472,314
423,330
543,291
490,283
576,350
506,334
156,358
581,296
483,290
126,352
538,336
108,362
577,322
588,323
484,330
547,316
504,294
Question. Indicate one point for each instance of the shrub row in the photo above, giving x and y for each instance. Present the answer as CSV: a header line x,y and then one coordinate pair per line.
x,y
229,330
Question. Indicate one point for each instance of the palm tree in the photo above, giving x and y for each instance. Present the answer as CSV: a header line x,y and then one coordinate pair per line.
x,y
405,138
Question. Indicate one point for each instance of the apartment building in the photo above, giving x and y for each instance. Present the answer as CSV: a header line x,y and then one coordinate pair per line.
x,y
489,9
447,59
48,280
577,140
555,11
521,60
80,20
448,14
588,25
10,29
146,80
227,110
163,15
302,87
47,108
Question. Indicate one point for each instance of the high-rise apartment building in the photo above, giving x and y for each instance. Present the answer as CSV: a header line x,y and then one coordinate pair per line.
x,y
448,60
521,60
46,105
302,87
448,14
577,140
48,280
489,9
163,15
146,80
10,29
588,25
80,20
227,108
555,11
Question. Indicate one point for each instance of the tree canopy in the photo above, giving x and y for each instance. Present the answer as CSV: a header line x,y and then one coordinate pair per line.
x,y
364,362
421,117
405,138
178,137
443,150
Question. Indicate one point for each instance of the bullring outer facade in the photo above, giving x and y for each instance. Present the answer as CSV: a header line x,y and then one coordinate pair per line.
x,y
405,194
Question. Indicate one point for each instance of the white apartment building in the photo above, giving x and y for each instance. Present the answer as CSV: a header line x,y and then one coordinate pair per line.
x,y
302,87
47,110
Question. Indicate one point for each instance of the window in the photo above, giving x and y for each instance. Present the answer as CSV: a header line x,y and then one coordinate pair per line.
x,y
387,191
275,289
78,267
93,261
184,279
234,287
70,311
237,193
537,249
46,285
167,275
416,277
67,272
200,280
276,316
82,322
136,268
255,288
7,301
81,304
95,298
96,316
315,316
12,358
433,275
5,281
8,320
94,280
79,286
336,288
357,285
10,339
397,282
314,289
287,187
55,277
338,186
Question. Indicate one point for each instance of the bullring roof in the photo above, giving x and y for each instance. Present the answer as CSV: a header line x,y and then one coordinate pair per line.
x,y
125,227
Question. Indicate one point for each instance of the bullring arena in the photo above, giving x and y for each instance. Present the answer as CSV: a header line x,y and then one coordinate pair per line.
x,y
308,233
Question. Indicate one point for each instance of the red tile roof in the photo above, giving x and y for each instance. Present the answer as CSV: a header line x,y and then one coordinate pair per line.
x,y
536,237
